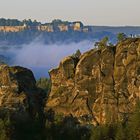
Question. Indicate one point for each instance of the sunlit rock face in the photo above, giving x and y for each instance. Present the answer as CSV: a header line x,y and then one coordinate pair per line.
x,y
18,92
100,86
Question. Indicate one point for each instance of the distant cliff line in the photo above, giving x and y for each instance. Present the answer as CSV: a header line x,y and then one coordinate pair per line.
x,y
14,25
57,25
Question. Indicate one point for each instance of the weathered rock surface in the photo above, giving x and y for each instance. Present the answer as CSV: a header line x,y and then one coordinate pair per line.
x,y
103,86
18,92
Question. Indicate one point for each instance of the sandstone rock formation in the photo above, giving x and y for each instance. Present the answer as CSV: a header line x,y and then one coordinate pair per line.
x,y
102,86
18,92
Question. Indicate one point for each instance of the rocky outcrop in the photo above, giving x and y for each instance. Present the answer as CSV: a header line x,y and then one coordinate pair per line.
x,y
18,92
102,86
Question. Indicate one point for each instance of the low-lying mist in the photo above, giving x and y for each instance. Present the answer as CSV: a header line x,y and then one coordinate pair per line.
x,y
40,57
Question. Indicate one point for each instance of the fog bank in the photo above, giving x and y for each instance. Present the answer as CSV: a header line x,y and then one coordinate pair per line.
x,y
40,57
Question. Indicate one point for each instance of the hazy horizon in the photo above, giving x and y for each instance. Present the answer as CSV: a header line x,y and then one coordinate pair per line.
x,y
90,12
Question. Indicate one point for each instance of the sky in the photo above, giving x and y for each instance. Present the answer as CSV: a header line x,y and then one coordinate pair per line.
x,y
90,12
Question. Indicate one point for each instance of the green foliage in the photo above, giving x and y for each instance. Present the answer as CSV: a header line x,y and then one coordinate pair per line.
x,y
2,131
66,128
58,119
125,130
58,127
104,132
6,126
134,123
28,130
44,83
56,22
77,54
15,22
121,36
121,132
102,43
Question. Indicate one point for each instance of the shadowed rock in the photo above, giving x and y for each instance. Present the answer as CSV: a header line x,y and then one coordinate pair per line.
x,y
18,92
